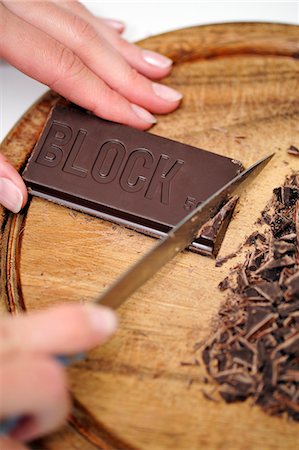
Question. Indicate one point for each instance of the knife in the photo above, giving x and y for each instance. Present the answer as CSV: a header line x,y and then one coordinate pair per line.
x,y
178,238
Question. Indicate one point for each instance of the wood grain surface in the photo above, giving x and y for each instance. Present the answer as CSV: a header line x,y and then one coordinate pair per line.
x,y
241,99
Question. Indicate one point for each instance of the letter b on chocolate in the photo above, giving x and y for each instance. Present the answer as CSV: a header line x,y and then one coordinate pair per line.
x,y
51,152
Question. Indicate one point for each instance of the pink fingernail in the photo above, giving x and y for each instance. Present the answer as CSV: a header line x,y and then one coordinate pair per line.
x,y
116,24
143,114
156,59
10,195
102,320
167,93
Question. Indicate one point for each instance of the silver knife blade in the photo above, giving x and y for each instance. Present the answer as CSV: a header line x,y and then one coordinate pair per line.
x,y
175,241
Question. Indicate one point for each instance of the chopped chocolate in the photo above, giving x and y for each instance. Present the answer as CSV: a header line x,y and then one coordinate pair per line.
x,y
266,217
271,291
214,230
281,247
292,150
255,352
279,225
284,275
292,284
288,237
242,280
271,269
193,363
254,237
208,396
256,258
221,261
223,285
287,195
135,178
285,309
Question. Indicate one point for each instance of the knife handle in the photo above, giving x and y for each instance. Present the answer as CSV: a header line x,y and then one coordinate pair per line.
x,y
8,424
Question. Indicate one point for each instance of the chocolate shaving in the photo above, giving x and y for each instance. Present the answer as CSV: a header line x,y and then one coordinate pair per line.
x,y
292,284
255,352
292,150
213,232
221,261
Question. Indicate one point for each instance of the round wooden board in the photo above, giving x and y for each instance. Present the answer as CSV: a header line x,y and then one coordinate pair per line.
x,y
240,84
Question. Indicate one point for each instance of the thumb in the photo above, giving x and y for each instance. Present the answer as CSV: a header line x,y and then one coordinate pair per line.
x,y
7,443
13,193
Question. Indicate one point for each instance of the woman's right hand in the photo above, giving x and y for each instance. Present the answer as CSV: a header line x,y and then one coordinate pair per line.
x,y
33,383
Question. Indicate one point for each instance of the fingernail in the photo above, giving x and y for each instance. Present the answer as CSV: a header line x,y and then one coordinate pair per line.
x,y
156,59
143,114
102,320
10,195
116,24
167,93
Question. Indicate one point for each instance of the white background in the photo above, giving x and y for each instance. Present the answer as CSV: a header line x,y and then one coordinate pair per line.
x,y
143,18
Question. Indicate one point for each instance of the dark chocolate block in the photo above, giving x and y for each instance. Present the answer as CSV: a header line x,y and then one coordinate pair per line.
x,y
115,172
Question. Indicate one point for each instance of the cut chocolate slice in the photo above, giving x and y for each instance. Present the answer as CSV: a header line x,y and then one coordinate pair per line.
x,y
118,173
213,232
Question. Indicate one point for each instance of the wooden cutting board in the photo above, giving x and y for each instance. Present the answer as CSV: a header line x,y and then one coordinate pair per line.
x,y
241,99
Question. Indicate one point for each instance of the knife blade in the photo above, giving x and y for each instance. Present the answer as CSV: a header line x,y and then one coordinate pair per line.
x,y
176,240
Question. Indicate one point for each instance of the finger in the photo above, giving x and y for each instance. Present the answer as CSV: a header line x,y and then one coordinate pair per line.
x,y
58,67
34,387
13,193
7,443
79,9
60,330
78,35
149,63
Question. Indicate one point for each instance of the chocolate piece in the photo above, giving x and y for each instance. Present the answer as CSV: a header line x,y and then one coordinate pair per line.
x,y
282,247
292,284
115,172
272,268
255,351
225,258
292,150
224,284
271,291
256,258
213,232
255,237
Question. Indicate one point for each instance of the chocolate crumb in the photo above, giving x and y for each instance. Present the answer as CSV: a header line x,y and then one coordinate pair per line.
x,y
208,396
223,285
292,150
193,363
221,261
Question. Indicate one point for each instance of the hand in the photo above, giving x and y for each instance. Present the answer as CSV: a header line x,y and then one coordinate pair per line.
x,y
33,383
85,59
13,193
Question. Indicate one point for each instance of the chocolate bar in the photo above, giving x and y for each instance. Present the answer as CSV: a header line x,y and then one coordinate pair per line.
x,y
143,181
